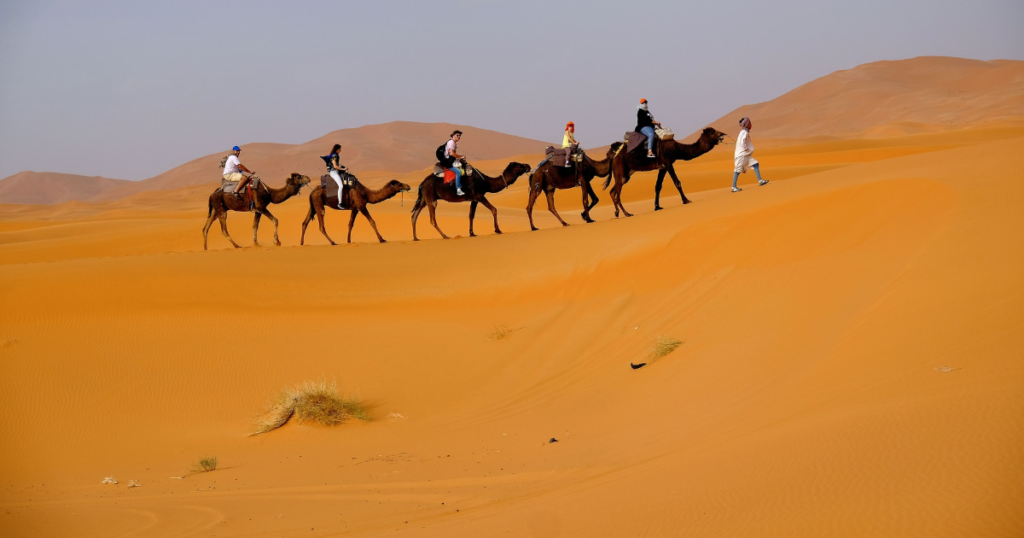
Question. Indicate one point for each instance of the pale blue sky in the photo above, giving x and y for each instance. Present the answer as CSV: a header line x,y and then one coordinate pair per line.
x,y
131,89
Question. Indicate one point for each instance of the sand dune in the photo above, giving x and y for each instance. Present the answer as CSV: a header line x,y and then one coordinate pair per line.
x,y
850,361
914,96
54,188
370,151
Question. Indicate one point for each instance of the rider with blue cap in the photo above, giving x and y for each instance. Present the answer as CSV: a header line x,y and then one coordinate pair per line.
x,y
234,170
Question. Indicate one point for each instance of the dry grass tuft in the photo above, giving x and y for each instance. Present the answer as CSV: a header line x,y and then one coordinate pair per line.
x,y
663,346
313,401
501,332
206,465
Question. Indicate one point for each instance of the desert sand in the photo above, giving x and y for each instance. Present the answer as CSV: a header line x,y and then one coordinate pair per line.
x,y
850,360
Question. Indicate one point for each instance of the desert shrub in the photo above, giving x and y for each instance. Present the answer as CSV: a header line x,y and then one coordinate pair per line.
x,y
501,332
207,464
314,402
663,346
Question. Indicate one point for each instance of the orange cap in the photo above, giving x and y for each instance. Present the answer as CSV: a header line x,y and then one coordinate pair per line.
x,y
642,101
570,124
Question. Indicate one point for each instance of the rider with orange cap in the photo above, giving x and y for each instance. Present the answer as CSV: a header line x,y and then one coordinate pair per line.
x,y
645,124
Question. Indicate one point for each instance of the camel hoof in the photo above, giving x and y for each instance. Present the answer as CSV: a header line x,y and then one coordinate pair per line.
x,y
497,231
686,200
564,224
532,229
658,208
278,243
383,241
471,234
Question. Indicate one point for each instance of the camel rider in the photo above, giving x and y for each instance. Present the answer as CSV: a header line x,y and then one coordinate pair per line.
x,y
569,142
234,170
335,168
645,124
451,157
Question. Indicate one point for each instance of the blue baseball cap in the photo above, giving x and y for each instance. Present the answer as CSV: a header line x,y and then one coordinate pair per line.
x,y
236,148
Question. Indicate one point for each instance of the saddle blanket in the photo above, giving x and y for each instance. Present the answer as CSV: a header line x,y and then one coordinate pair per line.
x,y
331,187
558,156
634,140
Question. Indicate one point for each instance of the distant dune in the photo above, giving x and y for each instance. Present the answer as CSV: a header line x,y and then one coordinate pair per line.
x,y
53,188
890,98
398,147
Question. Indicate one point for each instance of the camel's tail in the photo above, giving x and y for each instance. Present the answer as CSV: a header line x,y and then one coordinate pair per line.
x,y
612,151
209,204
419,197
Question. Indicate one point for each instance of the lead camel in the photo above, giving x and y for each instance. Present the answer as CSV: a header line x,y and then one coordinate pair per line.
x,y
356,198
433,189
669,151
221,202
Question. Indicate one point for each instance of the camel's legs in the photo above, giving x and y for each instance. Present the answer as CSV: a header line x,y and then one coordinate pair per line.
x,y
472,215
617,198
593,201
534,193
679,186
255,228
494,213
351,222
223,217
550,195
432,207
585,189
273,219
320,218
415,215
657,189
366,213
309,217
206,229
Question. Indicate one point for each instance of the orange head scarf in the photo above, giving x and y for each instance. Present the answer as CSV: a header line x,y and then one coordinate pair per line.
x,y
570,127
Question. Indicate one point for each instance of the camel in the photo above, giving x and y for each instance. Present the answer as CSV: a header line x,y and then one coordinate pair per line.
x,y
434,188
221,202
549,177
669,151
356,198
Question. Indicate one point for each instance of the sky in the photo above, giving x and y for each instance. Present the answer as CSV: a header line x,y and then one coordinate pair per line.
x,y
131,89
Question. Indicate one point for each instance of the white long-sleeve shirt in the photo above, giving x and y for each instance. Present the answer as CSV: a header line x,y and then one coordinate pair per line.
x,y
744,146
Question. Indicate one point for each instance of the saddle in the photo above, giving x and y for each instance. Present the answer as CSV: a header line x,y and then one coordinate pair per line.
x,y
448,175
329,187
558,156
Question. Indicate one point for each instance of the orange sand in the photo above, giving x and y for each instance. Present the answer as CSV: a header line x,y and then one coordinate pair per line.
x,y
809,398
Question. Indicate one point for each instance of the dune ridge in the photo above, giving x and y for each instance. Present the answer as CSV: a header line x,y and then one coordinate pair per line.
x,y
891,98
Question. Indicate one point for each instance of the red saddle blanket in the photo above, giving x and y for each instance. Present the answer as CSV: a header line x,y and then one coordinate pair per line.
x,y
449,176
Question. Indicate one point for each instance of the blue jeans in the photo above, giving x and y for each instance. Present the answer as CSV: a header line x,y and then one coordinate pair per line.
x,y
458,177
649,131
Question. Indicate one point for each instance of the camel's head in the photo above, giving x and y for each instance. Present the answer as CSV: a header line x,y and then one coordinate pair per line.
x,y
712,135
515,170
298,180
397,186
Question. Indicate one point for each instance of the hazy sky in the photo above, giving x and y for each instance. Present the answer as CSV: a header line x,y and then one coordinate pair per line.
x,y
131,89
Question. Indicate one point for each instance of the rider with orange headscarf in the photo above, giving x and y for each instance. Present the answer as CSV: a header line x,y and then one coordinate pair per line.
x,y
569,141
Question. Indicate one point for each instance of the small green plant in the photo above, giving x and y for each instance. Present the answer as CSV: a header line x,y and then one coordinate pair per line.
x,y
313,401
207,464
663,346
501,332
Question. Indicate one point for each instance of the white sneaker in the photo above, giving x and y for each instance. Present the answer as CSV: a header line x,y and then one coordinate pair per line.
x,y
459,192
762,182
736,189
